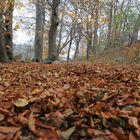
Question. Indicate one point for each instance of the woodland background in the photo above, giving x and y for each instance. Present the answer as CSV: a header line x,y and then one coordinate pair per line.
x,y
96,30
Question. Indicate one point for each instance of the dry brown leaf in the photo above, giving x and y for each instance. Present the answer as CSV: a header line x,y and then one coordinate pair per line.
x,y
139,77
4,111
113,137
101,138
9,129
94,132
119,134
107,115
37,90
66,87
132,137
136,111
49,135
2,136
56,119
22,119
31,124
133,121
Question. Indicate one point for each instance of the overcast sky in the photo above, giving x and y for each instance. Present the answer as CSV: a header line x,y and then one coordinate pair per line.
x,y
24,17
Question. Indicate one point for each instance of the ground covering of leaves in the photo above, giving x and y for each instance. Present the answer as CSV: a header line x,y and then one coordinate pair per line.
x,y
69,102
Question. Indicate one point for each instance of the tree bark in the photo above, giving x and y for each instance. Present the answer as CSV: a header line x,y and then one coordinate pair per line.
x,y
9,28
71,40
77,47
110,25
134,37
115,28
95,38
89,46
52,53
39,32
3,55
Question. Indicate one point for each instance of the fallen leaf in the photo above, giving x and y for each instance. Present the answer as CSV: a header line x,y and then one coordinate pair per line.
x,y
22,119
67,112
119,134
94,132
66,87
56,119
136,111
34,99
113,137
2,117
139,77
17,136
48,134
37,91
107,115
67,133
4,111
9,129
128,108
21,102
31,124
132,137
133,121
2,136
101,138
1,89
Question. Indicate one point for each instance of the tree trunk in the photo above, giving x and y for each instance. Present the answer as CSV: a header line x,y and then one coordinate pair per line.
x,y
40,19
71,39
9,28
95,38
89,46
89,37
52,53
3,55
60,35
77,48
134,37
110,26
115,28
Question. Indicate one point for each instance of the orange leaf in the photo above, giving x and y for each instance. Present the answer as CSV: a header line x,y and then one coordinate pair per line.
x,y
132,137
9,129
133,121
107,115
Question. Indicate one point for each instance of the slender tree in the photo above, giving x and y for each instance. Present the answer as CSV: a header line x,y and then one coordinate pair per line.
x,y
110,24
95,38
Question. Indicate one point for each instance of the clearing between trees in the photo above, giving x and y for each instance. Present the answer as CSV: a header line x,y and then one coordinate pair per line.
x,y
69,101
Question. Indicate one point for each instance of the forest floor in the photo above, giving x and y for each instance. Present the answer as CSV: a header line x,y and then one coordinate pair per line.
x,y
69,101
